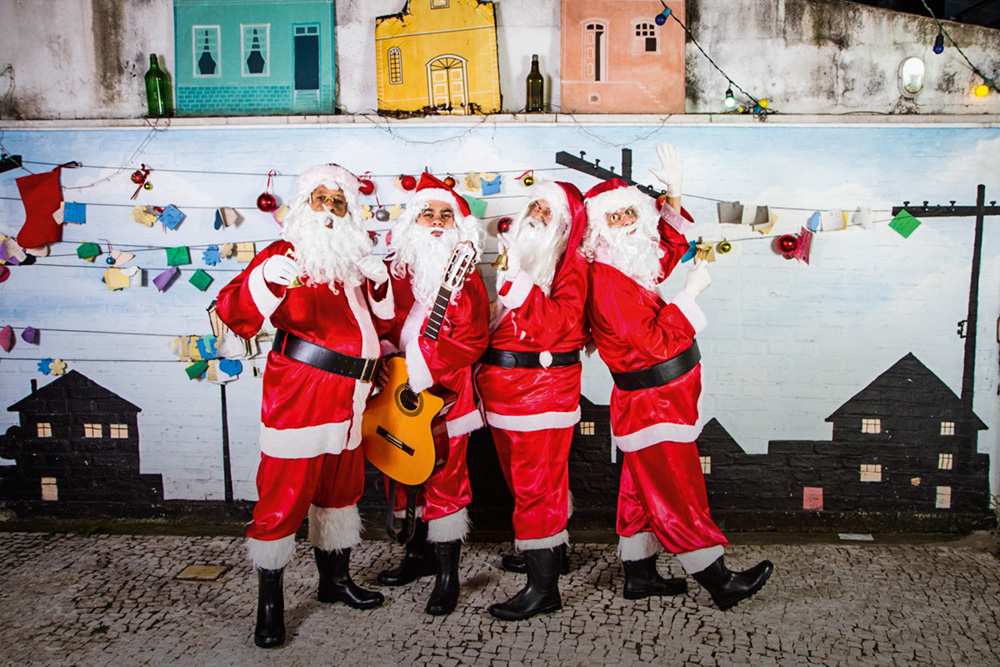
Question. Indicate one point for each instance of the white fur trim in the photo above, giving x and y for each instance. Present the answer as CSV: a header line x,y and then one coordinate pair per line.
x,y
388,348
692,311
416,368
696,561
543,542
619,198
675,219
384,309
640,546
370,349
262,297
569,503
537,422
334,528
467,423
520,288
657,433
271,554
306,442
449,528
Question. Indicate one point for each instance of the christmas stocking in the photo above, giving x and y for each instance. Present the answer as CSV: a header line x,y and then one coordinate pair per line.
x,y
41,196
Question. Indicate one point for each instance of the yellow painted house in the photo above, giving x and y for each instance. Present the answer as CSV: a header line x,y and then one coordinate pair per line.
x,y
438,54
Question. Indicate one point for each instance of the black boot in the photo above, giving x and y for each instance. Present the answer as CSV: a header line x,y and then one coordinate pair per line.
x,y
541,594
728,587
642,580
515,563
444,597
418,561
335,584
270,631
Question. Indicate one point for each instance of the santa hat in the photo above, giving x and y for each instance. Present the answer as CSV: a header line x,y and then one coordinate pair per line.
x,y
431,189
41,196
566,203
615,194
331,176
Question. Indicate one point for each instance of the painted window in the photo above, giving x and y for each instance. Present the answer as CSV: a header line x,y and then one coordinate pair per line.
x,y
93,431
44,430
947,428
50,490
812,498
586,428
118,431
256,50
645,38
945,461
594,51
943,501
206,51
871,472
873,425
395,65
706,465
439,4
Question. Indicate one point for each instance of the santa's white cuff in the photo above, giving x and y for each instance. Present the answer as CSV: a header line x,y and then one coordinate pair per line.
x,y
552,542
519,290
696,561
271,554
334,528
675,219
467,423
416,367
691,310
640,546
262,297
451,528
538,422
385,308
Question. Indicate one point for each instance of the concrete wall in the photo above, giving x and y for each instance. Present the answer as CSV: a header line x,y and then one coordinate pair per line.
x,y
805,56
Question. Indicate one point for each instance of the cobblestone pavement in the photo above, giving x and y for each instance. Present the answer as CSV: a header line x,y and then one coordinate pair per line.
x,y
68,599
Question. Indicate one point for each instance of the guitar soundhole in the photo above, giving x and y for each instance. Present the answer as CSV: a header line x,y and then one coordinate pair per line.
x,y
408,400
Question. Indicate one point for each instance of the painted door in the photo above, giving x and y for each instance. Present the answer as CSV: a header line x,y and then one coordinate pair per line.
x,y
446,76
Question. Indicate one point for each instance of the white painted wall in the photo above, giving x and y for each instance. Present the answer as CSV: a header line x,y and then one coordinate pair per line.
x,y
805,56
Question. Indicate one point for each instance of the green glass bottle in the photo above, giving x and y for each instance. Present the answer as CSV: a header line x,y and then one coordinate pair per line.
x,y
536,88
158,96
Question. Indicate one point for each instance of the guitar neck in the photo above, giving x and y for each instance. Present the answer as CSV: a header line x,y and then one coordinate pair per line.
x,y
436,318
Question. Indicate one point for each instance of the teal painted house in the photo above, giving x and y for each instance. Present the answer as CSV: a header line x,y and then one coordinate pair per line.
x,y
254,57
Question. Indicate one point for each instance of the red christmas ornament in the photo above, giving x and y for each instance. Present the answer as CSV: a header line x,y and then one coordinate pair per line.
x,y
139,177
788,244
267,202
503,225
407,182
366,186
450,181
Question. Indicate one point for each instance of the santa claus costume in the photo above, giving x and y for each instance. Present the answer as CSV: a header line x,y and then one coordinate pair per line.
x,y
315,386
530,384
418,257
649,346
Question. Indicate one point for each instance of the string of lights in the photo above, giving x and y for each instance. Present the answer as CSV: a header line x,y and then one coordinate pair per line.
x,y
980,91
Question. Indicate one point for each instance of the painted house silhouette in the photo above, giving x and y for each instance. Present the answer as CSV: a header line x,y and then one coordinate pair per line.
x,y
76,442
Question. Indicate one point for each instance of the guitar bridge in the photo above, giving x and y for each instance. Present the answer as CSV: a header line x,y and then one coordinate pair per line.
x,y
395,442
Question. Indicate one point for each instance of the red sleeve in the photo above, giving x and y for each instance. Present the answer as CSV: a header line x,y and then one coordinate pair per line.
x,y
550,319
464,333
236,305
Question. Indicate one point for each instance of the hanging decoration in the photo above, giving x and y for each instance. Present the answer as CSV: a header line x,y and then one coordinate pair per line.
x,y
267,202
786,245
527,178
140,177
406,182
366,185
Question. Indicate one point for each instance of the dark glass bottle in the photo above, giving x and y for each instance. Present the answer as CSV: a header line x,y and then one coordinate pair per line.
x,y
158,96
536,88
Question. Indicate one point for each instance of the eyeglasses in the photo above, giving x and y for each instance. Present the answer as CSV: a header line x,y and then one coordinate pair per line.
x,y
337,204
544,212
622,217
445,215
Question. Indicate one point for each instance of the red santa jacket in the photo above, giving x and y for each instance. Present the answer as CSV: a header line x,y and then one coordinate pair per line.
x,y
532,399
445,363
305,411
634,329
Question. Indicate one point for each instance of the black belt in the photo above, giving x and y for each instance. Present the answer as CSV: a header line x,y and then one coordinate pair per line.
x,y
660,374
324,358
508,359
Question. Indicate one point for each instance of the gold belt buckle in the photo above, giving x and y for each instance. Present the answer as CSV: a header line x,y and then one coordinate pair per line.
x,y
368,372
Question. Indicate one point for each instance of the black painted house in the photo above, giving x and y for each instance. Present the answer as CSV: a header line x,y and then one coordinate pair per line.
x,y
76,442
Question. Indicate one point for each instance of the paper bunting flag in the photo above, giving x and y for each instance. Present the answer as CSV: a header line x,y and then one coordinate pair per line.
x,y
178,256
196,369
231,367
226,217
904,223
211,255
366,212
395,211
201,280
144,215
57,367
75,213
163,280
730,212
88,251
115,279
834,220
472,180
41,196
207,347
245,252
171,217
121,257
7,338
805,244
45,366
279,214
490,183
815,222
863,217
477,206
30,335
11,251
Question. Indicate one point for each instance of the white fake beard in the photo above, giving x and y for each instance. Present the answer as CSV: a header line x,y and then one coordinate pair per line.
x,y
635,251
538,248
327,246
424,256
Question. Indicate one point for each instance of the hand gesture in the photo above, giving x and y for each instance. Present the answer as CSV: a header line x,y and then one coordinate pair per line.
x,y
373,269
280,270
671,171
697,279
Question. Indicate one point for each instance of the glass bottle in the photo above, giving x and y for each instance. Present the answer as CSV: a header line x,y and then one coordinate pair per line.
x,y
536,88
158,96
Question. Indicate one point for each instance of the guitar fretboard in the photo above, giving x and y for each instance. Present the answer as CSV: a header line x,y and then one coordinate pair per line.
x,y
436,318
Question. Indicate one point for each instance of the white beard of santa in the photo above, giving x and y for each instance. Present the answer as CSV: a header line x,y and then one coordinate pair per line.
x,y
423,254
327,245
538,246
633,250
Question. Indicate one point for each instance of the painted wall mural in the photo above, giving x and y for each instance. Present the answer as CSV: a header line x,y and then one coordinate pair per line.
x,y
836,384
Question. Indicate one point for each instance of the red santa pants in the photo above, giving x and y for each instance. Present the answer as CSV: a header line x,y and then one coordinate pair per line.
x,y
535,465
287,487
448,490
663,489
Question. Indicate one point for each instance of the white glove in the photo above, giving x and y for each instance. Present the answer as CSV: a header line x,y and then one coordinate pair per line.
x,y
671,171
697,279
280,270
373,269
